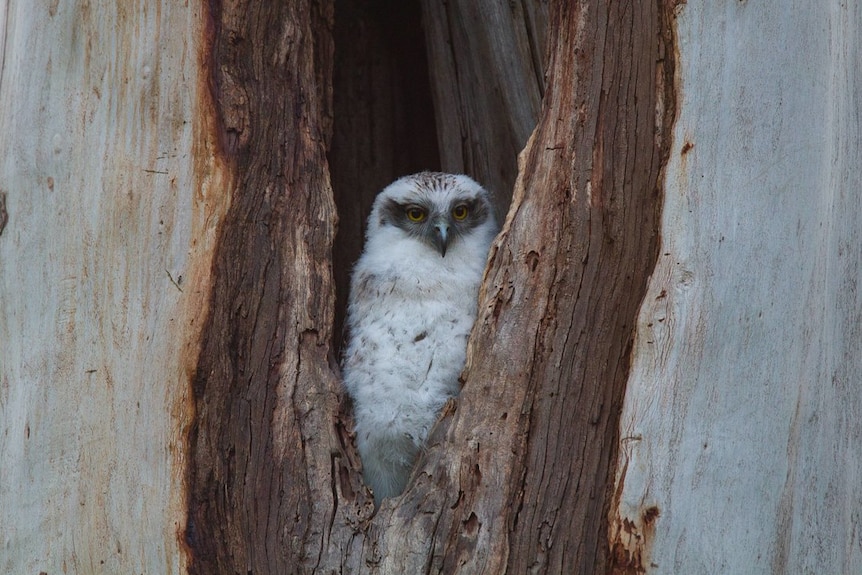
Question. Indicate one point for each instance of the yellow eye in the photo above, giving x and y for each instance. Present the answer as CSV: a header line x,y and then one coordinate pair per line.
x,y
460,212
415,214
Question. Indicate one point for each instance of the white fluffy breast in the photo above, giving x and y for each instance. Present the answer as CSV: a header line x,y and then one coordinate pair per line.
x,y
410,314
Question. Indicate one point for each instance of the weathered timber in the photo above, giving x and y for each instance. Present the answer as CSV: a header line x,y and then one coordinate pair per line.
x,y
265,455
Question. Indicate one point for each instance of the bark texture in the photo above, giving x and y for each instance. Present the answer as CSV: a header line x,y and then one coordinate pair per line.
x,y
742,427
166,228
517,476
112,200
265,454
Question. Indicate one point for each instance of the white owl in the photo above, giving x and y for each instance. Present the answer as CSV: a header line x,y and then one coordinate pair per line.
x,y
413,301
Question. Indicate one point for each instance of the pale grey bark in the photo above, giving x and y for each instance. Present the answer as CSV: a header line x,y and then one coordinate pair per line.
x,y
742,428
112,203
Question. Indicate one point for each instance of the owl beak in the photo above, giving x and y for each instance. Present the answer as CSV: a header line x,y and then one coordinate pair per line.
x,y
441,237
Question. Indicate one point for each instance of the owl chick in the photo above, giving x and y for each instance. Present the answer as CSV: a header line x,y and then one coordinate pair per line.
x,y
413,301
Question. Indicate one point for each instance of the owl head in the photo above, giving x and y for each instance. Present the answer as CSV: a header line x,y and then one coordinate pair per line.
x,y
436,209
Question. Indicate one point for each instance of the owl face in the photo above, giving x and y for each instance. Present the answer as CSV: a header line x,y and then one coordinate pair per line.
x,y
434,208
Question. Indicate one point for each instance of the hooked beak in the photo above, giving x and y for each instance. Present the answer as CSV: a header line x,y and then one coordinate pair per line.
x,y
441,237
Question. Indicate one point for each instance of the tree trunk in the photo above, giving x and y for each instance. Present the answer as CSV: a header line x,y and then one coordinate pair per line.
x,y
264,454
112,199
665,373
742,427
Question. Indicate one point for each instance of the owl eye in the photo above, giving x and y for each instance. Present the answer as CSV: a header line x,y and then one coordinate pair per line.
x,y
460,212
415,214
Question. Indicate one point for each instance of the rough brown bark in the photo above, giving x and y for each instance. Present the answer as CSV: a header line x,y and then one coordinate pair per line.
x,y
264,452
516,477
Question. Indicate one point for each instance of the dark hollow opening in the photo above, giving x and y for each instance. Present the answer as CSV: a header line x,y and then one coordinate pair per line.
x,y
383,125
